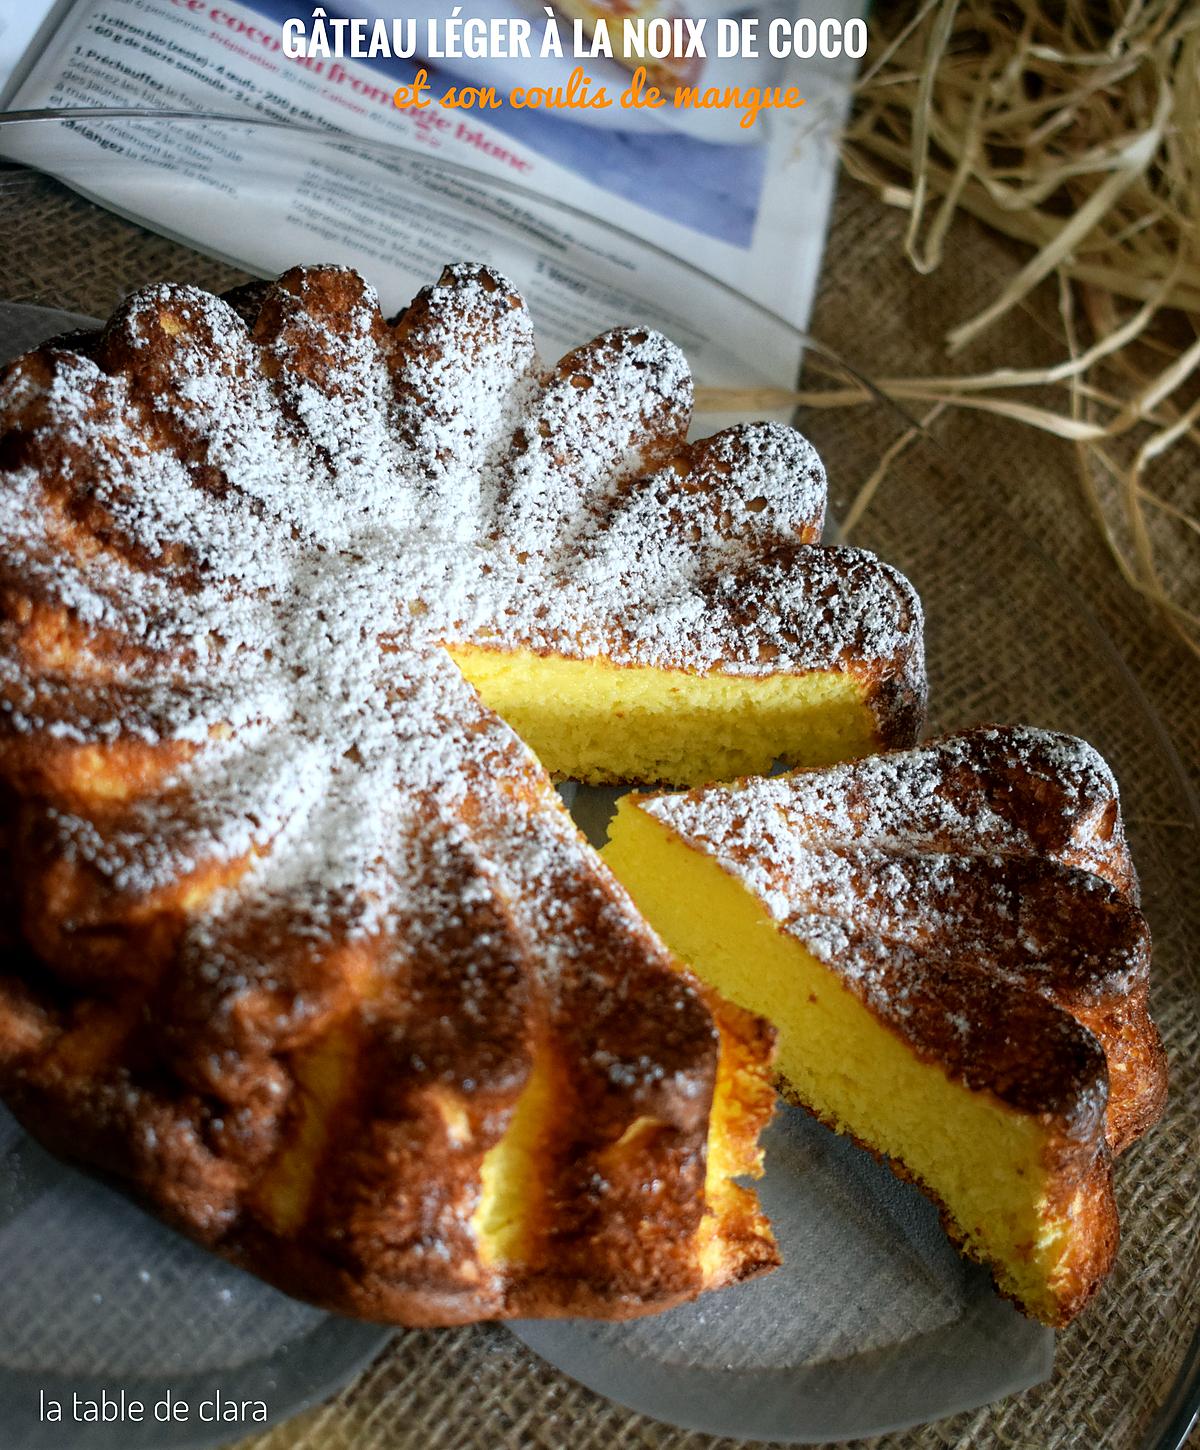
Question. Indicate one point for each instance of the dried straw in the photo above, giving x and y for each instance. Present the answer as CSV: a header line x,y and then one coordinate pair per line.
x,y
1073,128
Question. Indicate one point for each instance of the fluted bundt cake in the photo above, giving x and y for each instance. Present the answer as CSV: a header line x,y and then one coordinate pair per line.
x,y
303,949
948,943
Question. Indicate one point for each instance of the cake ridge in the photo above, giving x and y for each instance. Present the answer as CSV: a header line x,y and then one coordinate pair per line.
x,y
997,850
949,942
234,583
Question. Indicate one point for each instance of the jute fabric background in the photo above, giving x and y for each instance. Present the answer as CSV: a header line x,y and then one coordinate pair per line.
x,y
479,1387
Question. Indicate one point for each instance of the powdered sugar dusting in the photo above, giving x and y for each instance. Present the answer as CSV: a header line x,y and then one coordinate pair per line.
x,y
267,537
1000,847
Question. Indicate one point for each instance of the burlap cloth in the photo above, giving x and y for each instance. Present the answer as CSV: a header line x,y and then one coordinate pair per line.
x,y
478,1387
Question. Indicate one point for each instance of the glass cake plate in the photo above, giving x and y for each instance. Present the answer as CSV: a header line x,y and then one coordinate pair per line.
x,y
874,1323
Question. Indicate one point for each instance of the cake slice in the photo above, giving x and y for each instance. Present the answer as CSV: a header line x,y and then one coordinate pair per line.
x,y
948,942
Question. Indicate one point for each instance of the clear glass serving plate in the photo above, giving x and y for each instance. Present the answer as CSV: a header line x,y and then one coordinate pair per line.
x,y
874,1324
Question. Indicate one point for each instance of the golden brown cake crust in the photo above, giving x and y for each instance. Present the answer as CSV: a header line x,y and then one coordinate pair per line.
x,y
301,923
606,533
979,875
977,895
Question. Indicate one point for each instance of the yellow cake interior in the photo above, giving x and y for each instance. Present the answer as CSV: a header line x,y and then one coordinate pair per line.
x,y
741,1093
595,721
512,1215
984,1161
511,1190
323,1074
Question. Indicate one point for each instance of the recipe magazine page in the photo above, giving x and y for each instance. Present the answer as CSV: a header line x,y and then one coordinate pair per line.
x,y
741,197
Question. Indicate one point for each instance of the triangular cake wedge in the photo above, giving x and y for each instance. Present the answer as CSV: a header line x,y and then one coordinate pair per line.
x,y
948,943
